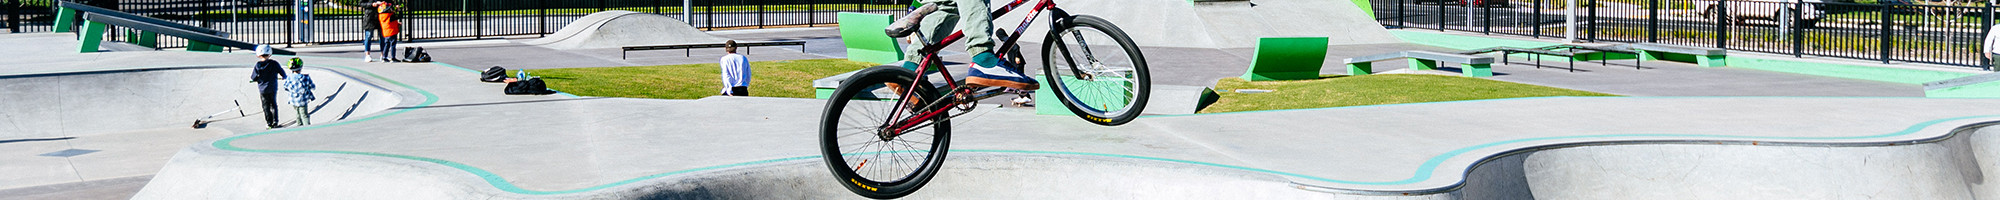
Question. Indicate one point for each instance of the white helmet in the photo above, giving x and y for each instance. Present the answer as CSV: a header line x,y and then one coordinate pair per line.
x,y
263,49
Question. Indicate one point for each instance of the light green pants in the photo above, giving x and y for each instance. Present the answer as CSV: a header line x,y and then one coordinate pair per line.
x,y
973,16
303,119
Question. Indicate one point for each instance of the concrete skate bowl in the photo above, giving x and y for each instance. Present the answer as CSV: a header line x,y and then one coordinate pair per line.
x,y
1954,166
1222,24
618,28
47,105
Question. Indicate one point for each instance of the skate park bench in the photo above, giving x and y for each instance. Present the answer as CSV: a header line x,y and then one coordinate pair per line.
x,y
862,33
70,11
197,41
1566,51
1469,65
1601,52
1295,58
1706,57
689,48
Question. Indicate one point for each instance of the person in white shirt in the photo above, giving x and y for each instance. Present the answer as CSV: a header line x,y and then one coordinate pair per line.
x,y
735,71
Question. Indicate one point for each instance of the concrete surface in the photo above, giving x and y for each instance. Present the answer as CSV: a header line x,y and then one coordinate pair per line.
x,y
618,28
108,189
448,136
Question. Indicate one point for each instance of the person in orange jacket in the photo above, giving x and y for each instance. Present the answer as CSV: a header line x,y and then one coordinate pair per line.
x,y
386,13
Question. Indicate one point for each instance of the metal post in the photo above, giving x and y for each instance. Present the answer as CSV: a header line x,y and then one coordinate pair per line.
x,y
14,17
708,12
1590,23
602,5
1487,28
542,17
1721,26
1985,26
1537,22
409,25
686,14
810,13
656,6
1400,14
478,19
1887,32
1653,21
1440,16
289,39
207,6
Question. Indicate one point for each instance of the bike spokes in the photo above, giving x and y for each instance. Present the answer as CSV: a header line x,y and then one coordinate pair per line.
x,y
1096,71
879,140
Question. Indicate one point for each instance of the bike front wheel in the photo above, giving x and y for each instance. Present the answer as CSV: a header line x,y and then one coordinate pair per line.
x,y
858,141
1096,71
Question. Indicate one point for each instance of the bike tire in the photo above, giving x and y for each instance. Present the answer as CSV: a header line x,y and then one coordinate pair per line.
x,y
1137,84
848,104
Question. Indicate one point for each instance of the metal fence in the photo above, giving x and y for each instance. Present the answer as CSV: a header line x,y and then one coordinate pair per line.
x,y
1947,35
338,21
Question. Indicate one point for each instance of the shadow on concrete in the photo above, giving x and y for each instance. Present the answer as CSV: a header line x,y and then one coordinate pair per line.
x,y
35,140
329,98
350,108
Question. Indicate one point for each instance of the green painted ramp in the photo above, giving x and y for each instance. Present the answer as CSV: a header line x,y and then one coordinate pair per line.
x,y
865,41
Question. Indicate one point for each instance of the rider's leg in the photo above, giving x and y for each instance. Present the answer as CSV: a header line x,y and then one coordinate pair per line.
x,y
987,69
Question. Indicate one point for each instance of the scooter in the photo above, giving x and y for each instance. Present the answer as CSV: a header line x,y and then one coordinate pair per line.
x,y
203,121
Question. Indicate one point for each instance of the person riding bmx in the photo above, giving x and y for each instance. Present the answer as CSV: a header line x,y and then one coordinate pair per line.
x,y
976,21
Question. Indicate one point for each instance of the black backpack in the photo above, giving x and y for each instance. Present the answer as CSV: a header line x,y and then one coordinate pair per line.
x,y
415,54
493,75
530,86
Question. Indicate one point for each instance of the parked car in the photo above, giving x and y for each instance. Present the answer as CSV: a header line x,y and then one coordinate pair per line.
x,y
1773,10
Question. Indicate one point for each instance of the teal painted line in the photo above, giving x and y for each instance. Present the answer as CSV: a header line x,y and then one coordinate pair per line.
x,y
456,66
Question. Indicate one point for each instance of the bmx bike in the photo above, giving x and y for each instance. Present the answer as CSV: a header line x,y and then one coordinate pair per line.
x,y
886,129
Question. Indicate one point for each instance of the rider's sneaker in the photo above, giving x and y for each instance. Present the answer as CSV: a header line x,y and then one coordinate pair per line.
x,y
987,70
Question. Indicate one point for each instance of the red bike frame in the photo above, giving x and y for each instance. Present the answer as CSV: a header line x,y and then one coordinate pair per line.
x,y
930,54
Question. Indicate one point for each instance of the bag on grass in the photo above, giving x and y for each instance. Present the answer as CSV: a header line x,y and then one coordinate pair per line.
x,y
493,75
529,86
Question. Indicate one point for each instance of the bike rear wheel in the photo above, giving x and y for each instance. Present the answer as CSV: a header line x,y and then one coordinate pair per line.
x,y
868,162
1096,70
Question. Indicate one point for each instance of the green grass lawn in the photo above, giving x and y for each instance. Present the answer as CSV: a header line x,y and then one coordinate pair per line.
x,y
1337,91
784,78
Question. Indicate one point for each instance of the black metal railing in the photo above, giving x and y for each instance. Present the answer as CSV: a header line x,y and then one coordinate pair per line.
x,y
1933,34
336,21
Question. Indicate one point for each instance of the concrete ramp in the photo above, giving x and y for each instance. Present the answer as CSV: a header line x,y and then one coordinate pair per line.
x,y
81,103
1224,24
617,28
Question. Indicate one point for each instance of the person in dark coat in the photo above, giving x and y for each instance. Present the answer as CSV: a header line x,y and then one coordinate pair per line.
x,y
266,75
